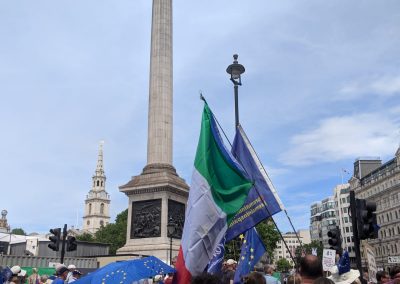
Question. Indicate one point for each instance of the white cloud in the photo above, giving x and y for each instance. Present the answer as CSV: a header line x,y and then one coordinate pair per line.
x,y
343,137
384,86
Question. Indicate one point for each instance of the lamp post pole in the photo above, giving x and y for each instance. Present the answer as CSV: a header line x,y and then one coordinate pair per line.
x,y
9,242
236,70
171,230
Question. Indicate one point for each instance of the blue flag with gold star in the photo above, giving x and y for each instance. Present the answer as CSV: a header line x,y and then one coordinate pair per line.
x,y
252,250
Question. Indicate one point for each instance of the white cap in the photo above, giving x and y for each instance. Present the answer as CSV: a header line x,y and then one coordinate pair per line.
x,y
71,266
22,273
15,269
230,261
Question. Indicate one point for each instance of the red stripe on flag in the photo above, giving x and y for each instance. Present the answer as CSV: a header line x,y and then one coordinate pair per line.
x,y
182,275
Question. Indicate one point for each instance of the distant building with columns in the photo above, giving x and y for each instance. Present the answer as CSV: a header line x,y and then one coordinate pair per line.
x,y
97,202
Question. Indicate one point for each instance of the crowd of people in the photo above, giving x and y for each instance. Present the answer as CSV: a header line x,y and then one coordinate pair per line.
x,y
310,272
62,275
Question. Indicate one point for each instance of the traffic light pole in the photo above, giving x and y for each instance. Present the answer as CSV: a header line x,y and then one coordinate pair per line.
x,y
355,233
64,236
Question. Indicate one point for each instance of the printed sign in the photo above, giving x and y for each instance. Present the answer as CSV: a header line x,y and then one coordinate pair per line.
x,y
328,259
372,269
393,259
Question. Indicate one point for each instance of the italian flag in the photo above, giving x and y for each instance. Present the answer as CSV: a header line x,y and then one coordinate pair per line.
x,y
218,190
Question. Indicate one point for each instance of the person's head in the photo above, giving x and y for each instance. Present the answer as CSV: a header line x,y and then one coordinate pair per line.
x,y
76,274
382,277
15,279
62,272
173,261
206,278
71,267
43,278
34,270
311,267
230,264
294,279
254,278
16,269
323,280
269,269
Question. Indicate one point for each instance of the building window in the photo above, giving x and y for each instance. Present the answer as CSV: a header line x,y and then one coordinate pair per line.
x,y
101,223
88,222
102,208
90,208
98,183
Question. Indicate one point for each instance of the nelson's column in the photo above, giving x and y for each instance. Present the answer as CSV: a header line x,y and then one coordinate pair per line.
x,y
157,196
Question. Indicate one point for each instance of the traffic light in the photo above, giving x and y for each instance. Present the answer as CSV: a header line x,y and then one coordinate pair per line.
x,y
366,219
71,243
334,239
55,239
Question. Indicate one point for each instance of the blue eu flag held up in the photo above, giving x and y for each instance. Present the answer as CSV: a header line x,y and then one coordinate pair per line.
x,y
252,250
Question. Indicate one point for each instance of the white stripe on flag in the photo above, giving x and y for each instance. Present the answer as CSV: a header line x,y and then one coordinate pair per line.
x,y
260,167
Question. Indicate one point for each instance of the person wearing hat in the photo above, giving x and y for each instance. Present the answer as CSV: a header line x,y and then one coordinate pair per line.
x,y
62,272
76,274
18,275
229,273
71,268
342,274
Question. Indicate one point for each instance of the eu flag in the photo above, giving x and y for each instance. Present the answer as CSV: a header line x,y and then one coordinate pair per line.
x,y
260,195
252,250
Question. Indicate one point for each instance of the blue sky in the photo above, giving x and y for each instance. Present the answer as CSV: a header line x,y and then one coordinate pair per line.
x,y
321,88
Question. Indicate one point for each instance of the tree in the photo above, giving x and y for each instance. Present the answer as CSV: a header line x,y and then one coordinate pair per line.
x,y
86,237
283,265
18,231
308,249
268,234
114,233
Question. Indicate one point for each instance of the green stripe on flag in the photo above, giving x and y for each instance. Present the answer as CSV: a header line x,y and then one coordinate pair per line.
x,y
229,187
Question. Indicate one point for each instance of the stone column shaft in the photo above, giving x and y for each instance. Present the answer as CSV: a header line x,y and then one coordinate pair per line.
x,y
159,143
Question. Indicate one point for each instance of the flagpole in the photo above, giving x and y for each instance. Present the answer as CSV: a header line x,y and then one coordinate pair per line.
x,y
258,193
272,188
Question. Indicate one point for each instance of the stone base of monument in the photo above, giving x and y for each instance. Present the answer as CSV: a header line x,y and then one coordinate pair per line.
x,y
156,197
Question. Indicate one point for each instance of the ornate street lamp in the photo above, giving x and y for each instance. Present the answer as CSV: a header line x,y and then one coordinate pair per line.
x,y
171,230
236,70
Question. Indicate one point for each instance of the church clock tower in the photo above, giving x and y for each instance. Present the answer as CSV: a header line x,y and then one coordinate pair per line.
x,y
97,203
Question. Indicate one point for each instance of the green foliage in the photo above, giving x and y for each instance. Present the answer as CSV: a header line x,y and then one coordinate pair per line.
x,y
308,249
18,231
86,237
232,249
114,233
269,236
283,265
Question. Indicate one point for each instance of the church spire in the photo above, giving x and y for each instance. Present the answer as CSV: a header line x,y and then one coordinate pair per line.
x,y
97,202
99,167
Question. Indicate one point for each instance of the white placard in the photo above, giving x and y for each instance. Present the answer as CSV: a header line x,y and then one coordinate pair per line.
x,y
393,259
372,269
328,259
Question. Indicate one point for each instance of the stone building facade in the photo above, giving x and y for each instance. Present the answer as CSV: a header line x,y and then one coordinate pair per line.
x,y
292,242
323,218
381,184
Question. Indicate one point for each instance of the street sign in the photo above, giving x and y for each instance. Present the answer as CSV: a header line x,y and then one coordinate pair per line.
x,y
328,259
393,259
